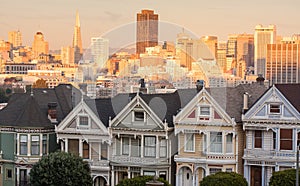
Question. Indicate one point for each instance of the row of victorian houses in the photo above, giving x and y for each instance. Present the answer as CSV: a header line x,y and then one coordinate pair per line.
x,y
181,136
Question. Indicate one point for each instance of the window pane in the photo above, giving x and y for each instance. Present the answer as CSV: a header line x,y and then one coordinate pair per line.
x,y
286,139
135,147
257,139
275,109
139,116
23,144
73,146
163,148
189,142
125,146
150,146
85,150
35,145
83,120
103,151
229,145
216,142
204,111
45,148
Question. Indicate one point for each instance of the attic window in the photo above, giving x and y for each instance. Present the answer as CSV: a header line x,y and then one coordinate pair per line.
x,y
83,121
139,115
274,109
204,112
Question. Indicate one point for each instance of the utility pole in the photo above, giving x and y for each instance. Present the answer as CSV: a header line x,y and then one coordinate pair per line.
x,y
297,166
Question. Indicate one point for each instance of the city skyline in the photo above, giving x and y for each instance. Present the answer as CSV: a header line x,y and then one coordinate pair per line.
x,y
56,19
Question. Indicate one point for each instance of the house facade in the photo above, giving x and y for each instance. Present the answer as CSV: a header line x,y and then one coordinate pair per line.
x,y
272,133
82,133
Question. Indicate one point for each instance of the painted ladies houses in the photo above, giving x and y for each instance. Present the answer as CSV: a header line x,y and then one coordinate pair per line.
x,y
209,131
141,129
83,133
27,130
272,133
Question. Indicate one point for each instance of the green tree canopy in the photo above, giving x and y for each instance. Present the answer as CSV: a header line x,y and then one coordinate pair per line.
x,y
224,179
140,181
60,168
284,178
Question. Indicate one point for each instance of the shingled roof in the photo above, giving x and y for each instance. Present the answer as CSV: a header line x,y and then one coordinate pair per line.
x,y
31,109
291,92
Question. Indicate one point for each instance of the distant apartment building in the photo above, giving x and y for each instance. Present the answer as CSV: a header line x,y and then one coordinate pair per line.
x,y
39,45
146,30
282,63
67,56
221,56
18,68
100,51
262,37
15,38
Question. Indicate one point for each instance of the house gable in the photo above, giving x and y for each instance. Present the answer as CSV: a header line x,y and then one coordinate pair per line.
x,y
272,106
203,110
137,115
83,120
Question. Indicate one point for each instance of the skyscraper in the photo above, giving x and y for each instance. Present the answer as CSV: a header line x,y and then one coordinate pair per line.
x,y
262,37
212,44
283,63
100,50
15,38
67,55
39,46
77,42
146,30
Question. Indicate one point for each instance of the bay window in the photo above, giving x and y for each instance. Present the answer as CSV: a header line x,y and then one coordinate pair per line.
x,y
35,145
189,142
23,144
229,144
216,142
150,146
125,146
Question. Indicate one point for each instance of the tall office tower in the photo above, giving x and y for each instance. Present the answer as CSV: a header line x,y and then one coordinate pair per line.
x,y
100,51
262,37
15,38
212,44
221,55
283,63
39,46
67,55
146,30
77,42
245,49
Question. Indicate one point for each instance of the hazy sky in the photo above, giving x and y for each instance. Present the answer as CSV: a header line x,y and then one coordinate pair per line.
x,y
56,18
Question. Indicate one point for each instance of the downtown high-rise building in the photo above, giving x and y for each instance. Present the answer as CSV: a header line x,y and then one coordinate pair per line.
x,y
67,56
15,38
77,42
283,63
212,43
146,30
39,45
245,49
100,51
262,37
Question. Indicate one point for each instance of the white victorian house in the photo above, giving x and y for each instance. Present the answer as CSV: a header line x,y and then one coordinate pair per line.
x,y
206,140
82,132
272,127
141,137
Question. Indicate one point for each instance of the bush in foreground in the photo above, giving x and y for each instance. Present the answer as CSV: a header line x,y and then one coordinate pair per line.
x,y
224,179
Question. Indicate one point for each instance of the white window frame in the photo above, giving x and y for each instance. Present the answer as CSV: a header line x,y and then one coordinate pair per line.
x,y
151,146
275,104
83,127
163,148
204,117
20,141
127,146
39,144
211,143
186,139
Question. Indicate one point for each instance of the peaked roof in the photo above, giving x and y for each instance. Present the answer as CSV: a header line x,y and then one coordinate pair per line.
x,y
291,92
24,112
231,98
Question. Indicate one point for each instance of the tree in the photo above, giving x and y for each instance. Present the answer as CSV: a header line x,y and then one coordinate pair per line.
x,y
61,168
40,83
284,178
141,181
224,179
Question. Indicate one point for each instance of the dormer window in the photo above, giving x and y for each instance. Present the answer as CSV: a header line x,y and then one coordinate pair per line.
x,y
204,112
274,109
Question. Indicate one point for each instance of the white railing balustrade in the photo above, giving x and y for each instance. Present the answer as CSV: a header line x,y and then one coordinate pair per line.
x,y
268,154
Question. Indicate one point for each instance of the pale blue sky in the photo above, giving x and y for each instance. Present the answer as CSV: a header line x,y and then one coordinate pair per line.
x,y
56,18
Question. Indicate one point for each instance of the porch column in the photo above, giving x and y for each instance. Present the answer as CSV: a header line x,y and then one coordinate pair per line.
x,y
263,175
157,147
142,146
112,176
66,145
80,147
